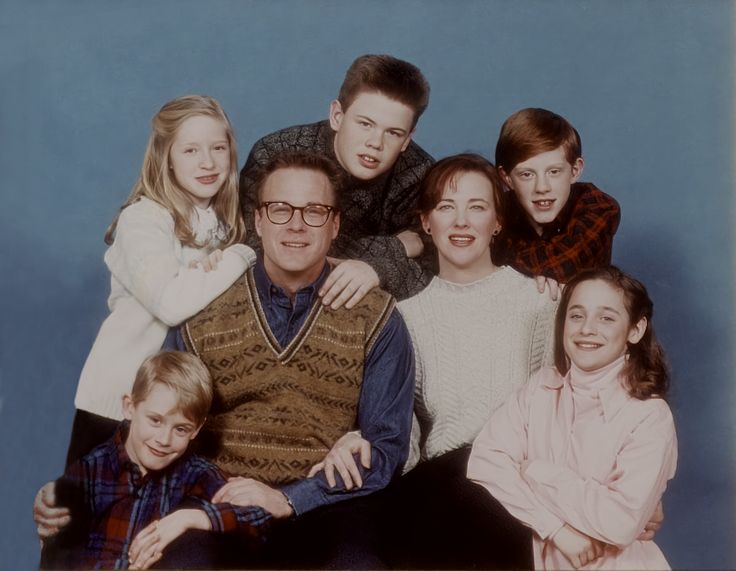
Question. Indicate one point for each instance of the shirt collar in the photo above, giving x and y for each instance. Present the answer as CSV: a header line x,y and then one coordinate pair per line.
x,y
267,290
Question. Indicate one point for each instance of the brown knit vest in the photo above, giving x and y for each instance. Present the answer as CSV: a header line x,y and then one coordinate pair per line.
x,y
276,412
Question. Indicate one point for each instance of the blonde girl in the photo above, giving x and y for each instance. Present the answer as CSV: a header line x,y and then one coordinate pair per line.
x,y
174,247
582,453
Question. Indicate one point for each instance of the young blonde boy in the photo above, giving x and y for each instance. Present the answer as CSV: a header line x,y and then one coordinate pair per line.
x,y
133,495
554,225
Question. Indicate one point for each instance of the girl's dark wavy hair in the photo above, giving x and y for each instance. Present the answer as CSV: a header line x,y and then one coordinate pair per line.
x,y
646,370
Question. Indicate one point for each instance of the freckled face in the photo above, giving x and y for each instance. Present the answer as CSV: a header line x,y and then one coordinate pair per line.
x,y
597,327
371,133
542,185
461,226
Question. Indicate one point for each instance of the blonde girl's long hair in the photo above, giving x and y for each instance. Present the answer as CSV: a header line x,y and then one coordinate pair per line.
x,y
157,181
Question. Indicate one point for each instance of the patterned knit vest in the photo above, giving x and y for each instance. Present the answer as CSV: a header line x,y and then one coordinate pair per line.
x,y
276,412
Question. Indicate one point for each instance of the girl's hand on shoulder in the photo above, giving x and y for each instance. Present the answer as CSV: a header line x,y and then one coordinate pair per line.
x,y
578,548
209,262
148,546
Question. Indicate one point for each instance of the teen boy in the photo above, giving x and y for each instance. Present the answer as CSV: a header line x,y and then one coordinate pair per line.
x,y
128,495
369,135
554,226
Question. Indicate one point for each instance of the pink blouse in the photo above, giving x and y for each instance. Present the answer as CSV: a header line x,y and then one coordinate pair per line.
x,y
580,450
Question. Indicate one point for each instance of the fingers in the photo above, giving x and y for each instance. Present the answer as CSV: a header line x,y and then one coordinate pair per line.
x,y
333,288
193,264
315,469
365,453
356,297
227,491
144,550
330,474
541,283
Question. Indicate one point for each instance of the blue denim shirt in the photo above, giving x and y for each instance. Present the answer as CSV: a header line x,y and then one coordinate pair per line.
x,y
386,396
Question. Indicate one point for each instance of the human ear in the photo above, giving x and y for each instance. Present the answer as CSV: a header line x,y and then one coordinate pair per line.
x,y
193,435
335,224
336,115
505,177
128,407
637,331
258,221
408,140
425,222
577,168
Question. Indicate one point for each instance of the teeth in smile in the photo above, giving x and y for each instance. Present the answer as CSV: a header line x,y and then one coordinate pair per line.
x,y
588,345
295,245
543,203
461,239
368,159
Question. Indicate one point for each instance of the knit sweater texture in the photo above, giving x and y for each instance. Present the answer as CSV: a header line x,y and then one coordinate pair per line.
x,y
151,289
278,409
372,211
474,345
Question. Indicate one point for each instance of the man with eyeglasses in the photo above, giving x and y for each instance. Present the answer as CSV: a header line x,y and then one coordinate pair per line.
x,y
292,377
369,135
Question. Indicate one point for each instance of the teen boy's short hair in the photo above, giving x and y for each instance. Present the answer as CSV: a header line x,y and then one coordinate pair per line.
x,y
183,373
301,160
533,131
395,78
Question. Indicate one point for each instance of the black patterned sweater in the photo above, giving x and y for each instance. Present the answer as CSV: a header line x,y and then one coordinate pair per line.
x,y
372,211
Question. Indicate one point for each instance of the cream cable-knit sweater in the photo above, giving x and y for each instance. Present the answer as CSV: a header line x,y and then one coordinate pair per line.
x,y
474,344
152,288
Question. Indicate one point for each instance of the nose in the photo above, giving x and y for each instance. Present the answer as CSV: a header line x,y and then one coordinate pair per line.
x,y
542,184
163,438
588,326
205,160
375,140
460,218
297,224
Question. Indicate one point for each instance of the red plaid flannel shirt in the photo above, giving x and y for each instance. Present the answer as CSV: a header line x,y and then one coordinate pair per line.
x,y
580,237
112,501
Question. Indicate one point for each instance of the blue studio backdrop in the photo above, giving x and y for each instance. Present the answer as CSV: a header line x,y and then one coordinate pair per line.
x,y
649,85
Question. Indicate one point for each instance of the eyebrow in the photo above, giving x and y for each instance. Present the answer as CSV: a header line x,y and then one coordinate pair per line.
x,y
602,307
366,118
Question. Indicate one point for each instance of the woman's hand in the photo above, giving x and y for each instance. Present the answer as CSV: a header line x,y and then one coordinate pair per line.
x,y
209,262
341,458
578,548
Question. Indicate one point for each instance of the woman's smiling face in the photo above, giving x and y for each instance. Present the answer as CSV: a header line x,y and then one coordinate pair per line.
x,y
462,225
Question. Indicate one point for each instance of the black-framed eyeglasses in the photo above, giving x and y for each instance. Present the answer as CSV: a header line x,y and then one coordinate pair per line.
x,y
314,215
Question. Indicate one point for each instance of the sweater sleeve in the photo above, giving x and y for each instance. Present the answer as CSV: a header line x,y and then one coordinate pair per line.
x,y
614,511
143,258
496,459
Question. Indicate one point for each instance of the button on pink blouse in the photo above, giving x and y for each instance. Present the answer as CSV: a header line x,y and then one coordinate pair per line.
x,y
580,450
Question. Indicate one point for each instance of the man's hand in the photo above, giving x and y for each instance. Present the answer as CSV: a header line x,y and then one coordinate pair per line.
x,y
47,516
412,243
653,525
554,287
340,458
578,548
209,262
348,283
148,546
246,492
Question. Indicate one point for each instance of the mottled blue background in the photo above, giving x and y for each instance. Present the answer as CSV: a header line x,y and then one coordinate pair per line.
x,y
650,86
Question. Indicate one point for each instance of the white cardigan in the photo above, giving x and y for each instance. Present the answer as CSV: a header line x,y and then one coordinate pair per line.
x,y
152,288
474,344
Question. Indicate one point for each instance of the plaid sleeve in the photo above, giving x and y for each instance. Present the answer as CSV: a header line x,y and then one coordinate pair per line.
x,y
223,517
584,242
